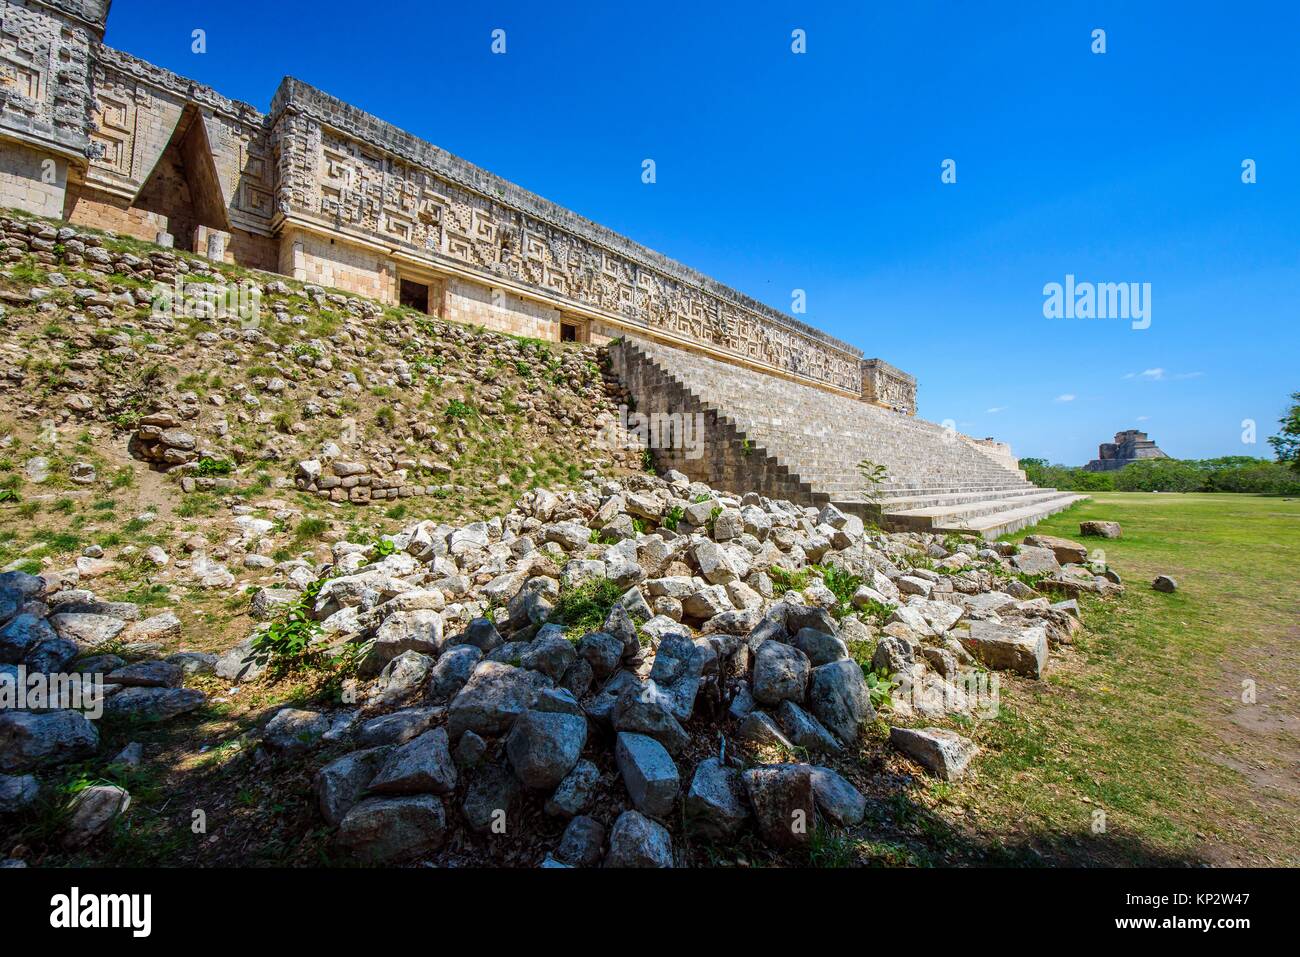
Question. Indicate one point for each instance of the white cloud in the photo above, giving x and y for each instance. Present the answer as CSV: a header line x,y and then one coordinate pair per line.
x,y
996,409
1068,397
1143,418
1160,375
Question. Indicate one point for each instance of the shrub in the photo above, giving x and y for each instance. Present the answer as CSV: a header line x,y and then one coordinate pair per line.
x,y
1286,444
876,611
874,475
879,685
288,640
208,467
1159,475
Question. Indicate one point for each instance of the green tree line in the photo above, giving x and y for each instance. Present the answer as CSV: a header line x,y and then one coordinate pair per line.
x,y
1230,473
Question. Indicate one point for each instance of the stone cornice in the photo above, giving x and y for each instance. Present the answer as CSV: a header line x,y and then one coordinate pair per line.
x,y
91,13
184,88
888,369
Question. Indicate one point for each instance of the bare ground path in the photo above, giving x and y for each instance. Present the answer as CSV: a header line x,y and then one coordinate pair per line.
x,y
1151,718
1260,738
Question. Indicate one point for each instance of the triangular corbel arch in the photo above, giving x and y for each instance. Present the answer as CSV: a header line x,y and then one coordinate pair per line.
x,y
184,184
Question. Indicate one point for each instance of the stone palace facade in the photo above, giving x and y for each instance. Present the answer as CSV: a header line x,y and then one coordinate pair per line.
x,y
325,193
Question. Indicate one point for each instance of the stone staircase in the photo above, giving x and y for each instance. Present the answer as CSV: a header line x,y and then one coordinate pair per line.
x,y
801,443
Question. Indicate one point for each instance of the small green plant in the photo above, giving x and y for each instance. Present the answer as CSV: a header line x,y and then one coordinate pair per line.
x,y
583,608
456,409
673,518
647,461
383,547
309,528
843,585
879,685
208,467
9,495
283,420
830,849
876,611
875,475
713,519
290,640
746,448
784,581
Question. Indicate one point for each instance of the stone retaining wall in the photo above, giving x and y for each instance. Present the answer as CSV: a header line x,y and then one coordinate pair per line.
x,y
354,482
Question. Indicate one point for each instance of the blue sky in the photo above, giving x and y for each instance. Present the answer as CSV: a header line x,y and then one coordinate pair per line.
x,y
821,172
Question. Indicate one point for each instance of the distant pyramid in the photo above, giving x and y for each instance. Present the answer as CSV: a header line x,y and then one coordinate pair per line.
x,y
1129,446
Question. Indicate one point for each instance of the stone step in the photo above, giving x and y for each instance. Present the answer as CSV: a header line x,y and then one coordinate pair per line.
x,y
1011,519
919,489
927,517
906,502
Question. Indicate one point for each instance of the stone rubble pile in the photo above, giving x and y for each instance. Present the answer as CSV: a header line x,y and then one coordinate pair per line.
x,y
160,440
64,655
704,681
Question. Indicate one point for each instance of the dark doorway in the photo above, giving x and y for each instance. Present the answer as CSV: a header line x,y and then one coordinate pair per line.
x,y
568,332
414,295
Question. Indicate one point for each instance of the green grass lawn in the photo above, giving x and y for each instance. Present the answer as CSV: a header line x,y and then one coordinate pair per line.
x,y
1142,720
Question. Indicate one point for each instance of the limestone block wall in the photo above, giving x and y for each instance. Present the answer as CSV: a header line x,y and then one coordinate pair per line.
x,y
494,308
728,462
999,452
33,180
312,257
